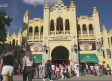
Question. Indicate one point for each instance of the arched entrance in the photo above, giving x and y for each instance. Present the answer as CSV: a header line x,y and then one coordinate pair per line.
x,y
60,55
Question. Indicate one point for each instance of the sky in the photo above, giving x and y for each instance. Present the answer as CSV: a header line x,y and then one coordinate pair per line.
x,y
16,9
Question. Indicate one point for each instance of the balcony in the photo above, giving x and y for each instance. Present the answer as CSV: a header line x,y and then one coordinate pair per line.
x,y
91,36
30,37
57,32
85,35
52,32
41,37
36,38
67,32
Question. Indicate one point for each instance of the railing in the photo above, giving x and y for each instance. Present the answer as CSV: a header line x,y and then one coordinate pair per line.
x,y
36,37
52,32
30,37
67,32
85,36
91,36
62,32
41,37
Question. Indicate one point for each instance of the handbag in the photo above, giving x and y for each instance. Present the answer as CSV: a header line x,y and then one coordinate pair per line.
x,y
52,71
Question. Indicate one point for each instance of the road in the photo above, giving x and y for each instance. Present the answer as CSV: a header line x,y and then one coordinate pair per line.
x,y
85,78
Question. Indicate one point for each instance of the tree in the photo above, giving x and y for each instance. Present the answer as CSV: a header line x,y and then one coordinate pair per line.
x,y
4,21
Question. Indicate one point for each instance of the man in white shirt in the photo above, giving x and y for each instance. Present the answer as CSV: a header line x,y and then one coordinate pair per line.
x,y
40,71
86,69
53,68
96,69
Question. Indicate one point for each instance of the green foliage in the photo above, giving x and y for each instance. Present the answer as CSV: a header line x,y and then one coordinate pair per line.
x,y
103,62
4,21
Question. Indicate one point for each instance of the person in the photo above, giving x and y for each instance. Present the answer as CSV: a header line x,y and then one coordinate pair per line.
x,y
28,66
69,70
8,68
57,71
19,70
101,69
48,71
40,71
15,62
91,69
61,68
77,71
1,57
53,68
87,69
96,69
108,69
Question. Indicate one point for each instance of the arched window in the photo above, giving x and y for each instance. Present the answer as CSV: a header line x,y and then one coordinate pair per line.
x,y
41,32
36,31
59,24
90,29
13,43
84,29
102,40
52,25
30,31
67,26
111,40
16,42
10,44
78,29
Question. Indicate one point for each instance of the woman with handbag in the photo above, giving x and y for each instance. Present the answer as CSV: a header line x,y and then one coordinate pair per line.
x,y
28,66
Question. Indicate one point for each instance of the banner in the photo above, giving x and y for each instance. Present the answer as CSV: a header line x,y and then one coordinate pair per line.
x,y
98,48
74,54
87,45
35,47
108,53
46,51
37,58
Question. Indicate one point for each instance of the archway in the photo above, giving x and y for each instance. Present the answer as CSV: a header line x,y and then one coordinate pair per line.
x,y
60,55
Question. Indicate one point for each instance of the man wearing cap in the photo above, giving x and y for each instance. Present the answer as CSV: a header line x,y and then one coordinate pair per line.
x,y
48,71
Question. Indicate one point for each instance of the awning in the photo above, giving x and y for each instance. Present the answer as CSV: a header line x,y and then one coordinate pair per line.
x,y
88,58
37,58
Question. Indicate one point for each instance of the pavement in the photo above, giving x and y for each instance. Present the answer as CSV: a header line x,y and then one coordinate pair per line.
x,y
85,78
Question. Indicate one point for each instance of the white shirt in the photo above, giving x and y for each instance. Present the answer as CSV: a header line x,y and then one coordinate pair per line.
x,y
57,69
91,67
96,68
28,62
86,66
40,67
53,67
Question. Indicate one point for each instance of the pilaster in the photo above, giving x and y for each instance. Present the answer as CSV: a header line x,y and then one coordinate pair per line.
x,y
64,28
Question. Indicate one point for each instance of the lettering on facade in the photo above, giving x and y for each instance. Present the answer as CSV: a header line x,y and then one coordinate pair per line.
x,y
60,37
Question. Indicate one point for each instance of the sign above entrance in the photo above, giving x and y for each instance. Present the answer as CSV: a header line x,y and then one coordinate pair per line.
x,y
60,38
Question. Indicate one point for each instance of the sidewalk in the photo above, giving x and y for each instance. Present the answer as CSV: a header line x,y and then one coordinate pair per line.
x,y
85,78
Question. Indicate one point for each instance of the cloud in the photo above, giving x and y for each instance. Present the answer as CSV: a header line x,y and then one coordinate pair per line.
x,y
41,2
14,26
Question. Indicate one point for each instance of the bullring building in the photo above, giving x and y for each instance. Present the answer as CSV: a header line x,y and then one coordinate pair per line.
x,y
62,37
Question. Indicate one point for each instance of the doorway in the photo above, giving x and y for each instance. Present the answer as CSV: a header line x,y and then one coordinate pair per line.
x,y
60,55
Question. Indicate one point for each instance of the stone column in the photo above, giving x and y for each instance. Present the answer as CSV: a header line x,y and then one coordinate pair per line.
x,y
64,28
88,32
33,34
55,28
39,33
81,29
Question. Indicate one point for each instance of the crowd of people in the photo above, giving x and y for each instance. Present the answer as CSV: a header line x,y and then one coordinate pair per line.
x,y
9,66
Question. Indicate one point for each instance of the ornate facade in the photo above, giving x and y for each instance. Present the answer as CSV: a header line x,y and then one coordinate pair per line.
x,y
60,29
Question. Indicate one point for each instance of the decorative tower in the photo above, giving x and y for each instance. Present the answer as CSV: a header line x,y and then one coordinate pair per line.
x,y
105,40
25,26
46,20
73,32
96,23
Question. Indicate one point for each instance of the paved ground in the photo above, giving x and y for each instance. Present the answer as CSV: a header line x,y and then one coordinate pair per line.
x,y
86,78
